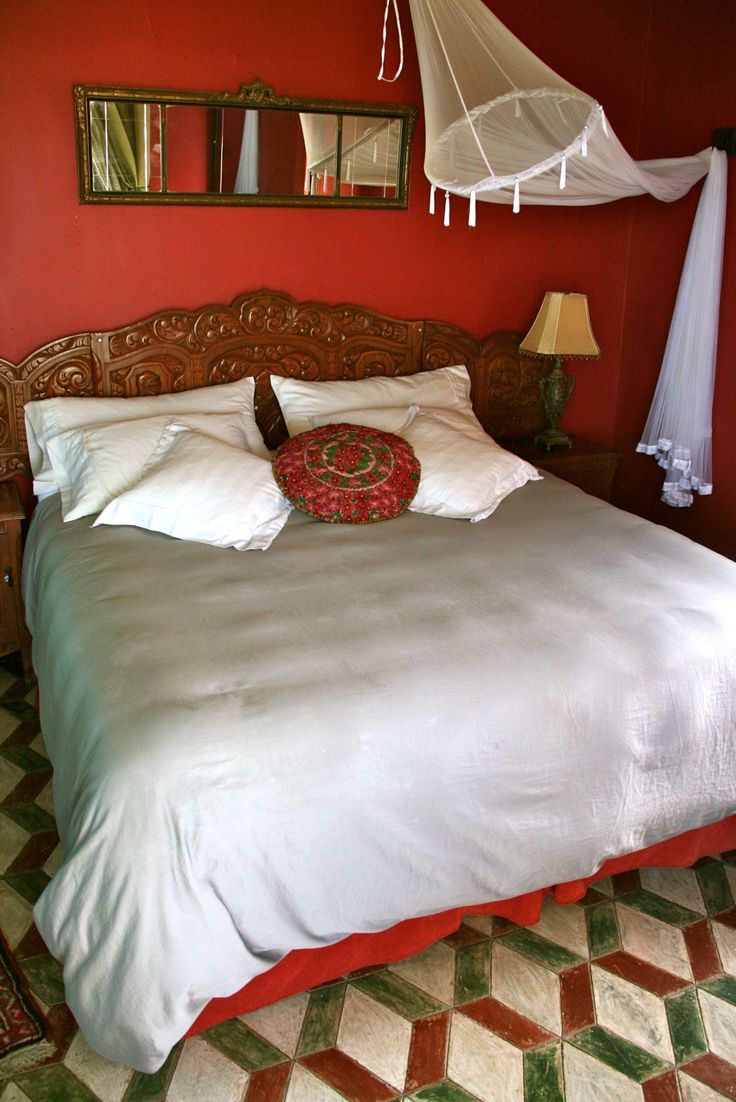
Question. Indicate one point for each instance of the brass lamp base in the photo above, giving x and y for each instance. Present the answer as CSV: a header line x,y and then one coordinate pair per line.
x,y
553,438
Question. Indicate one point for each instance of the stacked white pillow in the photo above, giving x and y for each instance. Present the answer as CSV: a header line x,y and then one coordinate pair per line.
x,y
192,465
197,488
93,465
49,418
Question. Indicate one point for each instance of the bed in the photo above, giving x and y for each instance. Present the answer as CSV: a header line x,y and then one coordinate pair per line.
x,y
273,769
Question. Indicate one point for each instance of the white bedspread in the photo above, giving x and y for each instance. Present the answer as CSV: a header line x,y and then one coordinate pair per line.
x,y
256,752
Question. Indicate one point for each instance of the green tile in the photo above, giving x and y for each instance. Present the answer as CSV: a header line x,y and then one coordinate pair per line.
x,y
31,817
619,1054
45,977
541,950
686,1025
729,858
398,995
28,884
322,1019
714,887
26,759
657,907
153,1088
603,935
21,709
54,1084
473,972
543,1075
442,1092
243,1046
724,988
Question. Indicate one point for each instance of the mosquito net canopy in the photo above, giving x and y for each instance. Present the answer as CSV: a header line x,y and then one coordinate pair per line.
x,y
503,127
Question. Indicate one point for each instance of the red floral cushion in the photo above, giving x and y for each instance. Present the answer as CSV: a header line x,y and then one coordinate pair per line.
x,y
347,474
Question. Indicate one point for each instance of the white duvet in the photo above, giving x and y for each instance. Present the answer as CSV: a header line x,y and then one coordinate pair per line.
x,y
256,752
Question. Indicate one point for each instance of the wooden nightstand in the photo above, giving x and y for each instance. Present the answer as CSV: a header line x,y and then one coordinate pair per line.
x,y
14,635
589,466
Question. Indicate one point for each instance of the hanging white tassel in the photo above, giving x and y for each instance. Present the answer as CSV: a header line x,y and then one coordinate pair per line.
x,y
517,108
604,124
390,80
517,198
471,210
584,142
563,174
375,152
447,209
432,190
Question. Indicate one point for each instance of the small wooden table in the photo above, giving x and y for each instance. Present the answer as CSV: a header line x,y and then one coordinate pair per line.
x,y
14,635
587,465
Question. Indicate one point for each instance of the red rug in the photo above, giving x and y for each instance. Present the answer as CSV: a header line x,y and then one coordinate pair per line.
x,y
21,1022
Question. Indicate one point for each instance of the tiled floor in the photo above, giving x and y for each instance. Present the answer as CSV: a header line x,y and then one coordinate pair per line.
x,y
629,996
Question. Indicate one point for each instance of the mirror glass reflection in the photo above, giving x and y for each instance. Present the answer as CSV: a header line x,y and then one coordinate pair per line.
x,y
136,150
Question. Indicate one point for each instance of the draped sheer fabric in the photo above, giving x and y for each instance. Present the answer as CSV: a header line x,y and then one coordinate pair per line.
x,y
502,127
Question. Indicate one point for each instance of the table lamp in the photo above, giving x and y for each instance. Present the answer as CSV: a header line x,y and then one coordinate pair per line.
x,y
561,328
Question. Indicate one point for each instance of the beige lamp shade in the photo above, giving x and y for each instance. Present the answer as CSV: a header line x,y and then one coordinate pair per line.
x,y
562,328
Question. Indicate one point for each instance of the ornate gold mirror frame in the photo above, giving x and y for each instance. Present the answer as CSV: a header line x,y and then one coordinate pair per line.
x,y
250,148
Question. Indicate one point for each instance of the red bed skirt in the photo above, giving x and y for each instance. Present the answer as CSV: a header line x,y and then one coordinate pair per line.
x,y
306,968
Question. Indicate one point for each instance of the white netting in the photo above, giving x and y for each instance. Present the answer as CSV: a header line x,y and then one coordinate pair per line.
x,y
369,148
503,127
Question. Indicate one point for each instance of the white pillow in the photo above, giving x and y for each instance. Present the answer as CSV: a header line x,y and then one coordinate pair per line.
x,y
52,416
197,488
445,388
391,419
93,465
465,474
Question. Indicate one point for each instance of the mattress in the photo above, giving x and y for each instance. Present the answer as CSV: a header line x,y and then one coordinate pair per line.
x,y
256,752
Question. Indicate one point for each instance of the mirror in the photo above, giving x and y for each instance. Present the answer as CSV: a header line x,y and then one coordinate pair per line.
x,y
246,148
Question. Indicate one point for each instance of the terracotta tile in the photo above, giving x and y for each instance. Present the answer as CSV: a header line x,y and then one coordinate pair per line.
x,y
502,925
624,882
465,935
428,1051
641,973
728,918
701,948
268,1085
26,790
344,1074
714,1072
576,999
663,1088
35,853
22,735
31,945
591,897
506,1023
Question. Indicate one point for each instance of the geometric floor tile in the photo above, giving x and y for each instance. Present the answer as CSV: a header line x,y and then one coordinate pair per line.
x,y
628,995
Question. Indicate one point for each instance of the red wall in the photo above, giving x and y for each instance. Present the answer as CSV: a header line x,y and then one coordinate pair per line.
x,y
662,68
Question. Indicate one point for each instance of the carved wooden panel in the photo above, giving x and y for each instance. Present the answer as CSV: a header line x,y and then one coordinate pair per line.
x,y
259,334
505,386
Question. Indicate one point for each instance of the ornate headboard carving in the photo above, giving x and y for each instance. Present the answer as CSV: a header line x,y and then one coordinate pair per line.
x,y
261,333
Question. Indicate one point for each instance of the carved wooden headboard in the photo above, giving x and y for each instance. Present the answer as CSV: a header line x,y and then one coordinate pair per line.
x,y
266,332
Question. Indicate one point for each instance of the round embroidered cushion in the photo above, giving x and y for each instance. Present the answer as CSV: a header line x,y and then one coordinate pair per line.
x,y
347,474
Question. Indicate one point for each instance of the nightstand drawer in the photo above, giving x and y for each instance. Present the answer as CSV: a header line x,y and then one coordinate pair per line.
x,y
590,466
